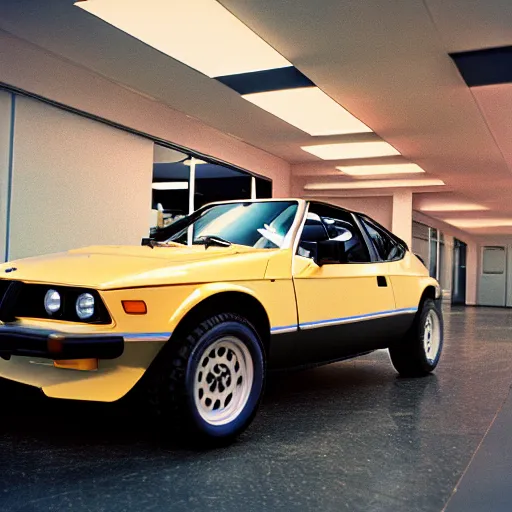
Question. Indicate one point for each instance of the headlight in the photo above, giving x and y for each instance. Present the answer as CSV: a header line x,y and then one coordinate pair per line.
x,y
85,306
52,302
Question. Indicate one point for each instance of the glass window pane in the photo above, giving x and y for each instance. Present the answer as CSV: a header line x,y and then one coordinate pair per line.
x,y
263,225
327,223
387,248
212,183
263,188
218,183
433,257
170,193
420,231
493,260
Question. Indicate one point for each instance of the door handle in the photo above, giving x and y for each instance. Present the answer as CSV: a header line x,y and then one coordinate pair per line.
x,y
382,282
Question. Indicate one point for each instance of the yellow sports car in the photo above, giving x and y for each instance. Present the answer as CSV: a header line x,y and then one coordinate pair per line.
x,y
197,315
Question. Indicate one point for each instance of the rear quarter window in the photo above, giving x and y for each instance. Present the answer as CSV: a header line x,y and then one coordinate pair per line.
x,y
387,248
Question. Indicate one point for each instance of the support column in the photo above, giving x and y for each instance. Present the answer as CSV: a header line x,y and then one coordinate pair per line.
x,y
446,271
472,270
401,223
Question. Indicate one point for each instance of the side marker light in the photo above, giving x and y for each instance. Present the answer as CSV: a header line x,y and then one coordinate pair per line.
x,y
134,307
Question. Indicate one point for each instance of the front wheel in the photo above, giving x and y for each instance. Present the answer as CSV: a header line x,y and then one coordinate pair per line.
x,y
418,353
211,379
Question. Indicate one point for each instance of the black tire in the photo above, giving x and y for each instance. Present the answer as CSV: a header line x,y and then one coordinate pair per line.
x,y
172,388
409,356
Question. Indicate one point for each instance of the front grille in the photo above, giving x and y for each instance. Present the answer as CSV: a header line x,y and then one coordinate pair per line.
x,y
9,298
25,300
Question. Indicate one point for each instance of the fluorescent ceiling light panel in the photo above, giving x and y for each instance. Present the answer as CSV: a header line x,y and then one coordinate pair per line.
x,y
350,185
170,185
479,223
453,207
310,110
200,33
375,170
348,150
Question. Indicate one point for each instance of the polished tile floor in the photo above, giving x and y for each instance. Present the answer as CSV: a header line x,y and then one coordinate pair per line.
x,y
349,436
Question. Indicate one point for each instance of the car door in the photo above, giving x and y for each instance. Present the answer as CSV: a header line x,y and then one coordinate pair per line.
x,y
343,308
403,275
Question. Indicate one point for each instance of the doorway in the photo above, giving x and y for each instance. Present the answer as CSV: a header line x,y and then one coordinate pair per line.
x,y
459,272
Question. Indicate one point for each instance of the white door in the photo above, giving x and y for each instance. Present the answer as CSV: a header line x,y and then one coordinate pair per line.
x,y
493,277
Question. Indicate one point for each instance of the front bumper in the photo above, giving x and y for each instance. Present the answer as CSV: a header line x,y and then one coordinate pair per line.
x,y
55,345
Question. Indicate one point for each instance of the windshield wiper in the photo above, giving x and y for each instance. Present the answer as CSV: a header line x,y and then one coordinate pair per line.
x,y
151,242
209,240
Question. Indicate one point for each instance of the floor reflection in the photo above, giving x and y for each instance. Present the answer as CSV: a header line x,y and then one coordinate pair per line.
x,y
351,435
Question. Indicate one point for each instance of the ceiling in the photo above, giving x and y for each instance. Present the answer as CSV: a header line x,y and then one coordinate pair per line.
x,y
387,63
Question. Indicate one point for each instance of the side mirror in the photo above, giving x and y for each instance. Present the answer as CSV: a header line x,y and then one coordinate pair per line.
x,y
329,252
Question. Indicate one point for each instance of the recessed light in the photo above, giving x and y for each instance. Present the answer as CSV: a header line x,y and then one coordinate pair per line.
x,y
310,110
374,184
197,162
453,207
374,170
479,223
200,33
170,185
348,150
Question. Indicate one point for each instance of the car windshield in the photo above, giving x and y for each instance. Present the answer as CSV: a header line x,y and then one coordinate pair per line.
x,y
262,225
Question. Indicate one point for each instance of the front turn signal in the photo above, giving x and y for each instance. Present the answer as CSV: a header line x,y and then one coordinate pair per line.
x,y
134,307
77,364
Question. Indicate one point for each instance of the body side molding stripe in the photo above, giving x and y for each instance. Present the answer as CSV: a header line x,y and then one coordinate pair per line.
x,y
283,330
345,320
145,336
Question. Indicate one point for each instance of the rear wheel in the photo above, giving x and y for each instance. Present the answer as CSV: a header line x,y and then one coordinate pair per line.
x,y
418,353
210,379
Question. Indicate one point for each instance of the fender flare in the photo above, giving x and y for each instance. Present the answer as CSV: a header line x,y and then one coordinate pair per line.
x,y
202,293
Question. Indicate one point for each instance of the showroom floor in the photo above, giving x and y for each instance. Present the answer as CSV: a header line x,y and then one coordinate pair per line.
x,y
350,436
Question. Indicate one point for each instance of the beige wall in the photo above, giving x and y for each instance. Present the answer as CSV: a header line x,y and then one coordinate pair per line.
x,y
76,182
32,69
5,146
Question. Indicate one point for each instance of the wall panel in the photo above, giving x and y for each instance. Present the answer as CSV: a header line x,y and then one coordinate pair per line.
x,y
76,182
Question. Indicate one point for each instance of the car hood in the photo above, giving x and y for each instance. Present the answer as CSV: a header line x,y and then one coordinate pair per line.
x,y
107,267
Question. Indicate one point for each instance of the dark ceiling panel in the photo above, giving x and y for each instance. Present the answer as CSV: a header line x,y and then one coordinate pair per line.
x,y
268,80
485,67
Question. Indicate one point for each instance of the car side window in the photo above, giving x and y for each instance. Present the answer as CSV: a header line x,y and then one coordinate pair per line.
x,y
326,223
387,248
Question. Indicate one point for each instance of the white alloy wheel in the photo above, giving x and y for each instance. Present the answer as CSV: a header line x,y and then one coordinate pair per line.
x,y
223,380
432,336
